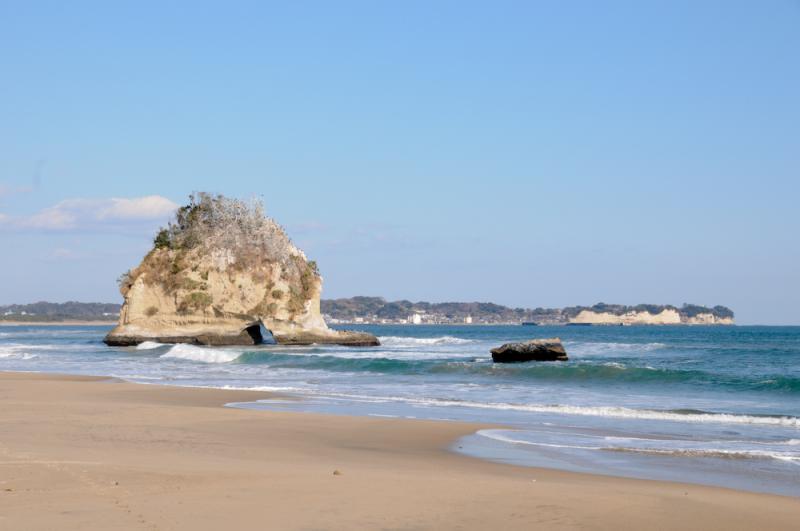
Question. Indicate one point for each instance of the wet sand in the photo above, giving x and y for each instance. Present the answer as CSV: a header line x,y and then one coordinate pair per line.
x,y
97,453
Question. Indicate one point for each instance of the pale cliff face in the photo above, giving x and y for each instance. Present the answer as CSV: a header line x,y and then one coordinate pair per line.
x,y
709,319
177,304
666,317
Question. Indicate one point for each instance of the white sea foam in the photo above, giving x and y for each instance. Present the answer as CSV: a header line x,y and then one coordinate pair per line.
x,y
714,452
378,353
12,355
680,448
589,411
134,377
500,435
202,354
148,345
36,346
605,348
394,341
16,352
642,414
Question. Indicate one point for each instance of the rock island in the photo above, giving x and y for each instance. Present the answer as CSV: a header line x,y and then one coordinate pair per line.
x,y
223,273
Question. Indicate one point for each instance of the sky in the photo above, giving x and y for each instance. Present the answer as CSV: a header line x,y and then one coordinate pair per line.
x,y
525,153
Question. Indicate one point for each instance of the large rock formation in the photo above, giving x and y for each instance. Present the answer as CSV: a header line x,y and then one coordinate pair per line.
x,y
534,350
220,274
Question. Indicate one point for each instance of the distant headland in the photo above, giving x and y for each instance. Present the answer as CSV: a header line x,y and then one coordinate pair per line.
x,y
379,310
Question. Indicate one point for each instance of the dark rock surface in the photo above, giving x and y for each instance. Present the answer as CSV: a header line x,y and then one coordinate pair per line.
x,y
549,349
348,338
252,336
249,336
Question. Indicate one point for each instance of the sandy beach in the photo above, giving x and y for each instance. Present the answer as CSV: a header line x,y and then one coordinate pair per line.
x,y
98,453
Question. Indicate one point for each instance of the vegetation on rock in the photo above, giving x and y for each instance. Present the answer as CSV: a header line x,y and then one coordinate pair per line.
x,y
233,236
195,301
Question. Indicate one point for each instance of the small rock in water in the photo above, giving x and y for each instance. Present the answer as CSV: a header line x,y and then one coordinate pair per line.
x,y
533,350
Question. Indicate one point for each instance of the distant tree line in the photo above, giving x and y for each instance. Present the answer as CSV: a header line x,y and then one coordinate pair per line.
x,y
350,308
60,311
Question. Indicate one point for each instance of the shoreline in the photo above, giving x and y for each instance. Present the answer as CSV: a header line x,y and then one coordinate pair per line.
x,y
99,452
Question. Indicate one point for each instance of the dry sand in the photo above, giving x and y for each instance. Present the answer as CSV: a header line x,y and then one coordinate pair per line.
x,y
99,454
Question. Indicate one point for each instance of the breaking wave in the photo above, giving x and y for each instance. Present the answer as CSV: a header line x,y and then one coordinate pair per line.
x,y
690,415
13,355
394,341
436,362
678,448
583,348
18,352
201,354
149,345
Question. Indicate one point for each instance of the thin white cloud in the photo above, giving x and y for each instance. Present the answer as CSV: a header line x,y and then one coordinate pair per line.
x,y
147,207
55,217
85,213
7,190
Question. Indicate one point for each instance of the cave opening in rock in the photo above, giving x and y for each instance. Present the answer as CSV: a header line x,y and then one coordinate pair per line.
x,y
260,334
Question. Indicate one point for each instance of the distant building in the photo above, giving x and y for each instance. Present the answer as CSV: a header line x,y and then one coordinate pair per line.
x,y
468,319
415,319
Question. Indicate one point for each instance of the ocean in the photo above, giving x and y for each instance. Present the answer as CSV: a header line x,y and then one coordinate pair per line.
x,y
709,405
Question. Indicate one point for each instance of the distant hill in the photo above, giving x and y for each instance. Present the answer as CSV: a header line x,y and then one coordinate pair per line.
x,y
378,309
60,311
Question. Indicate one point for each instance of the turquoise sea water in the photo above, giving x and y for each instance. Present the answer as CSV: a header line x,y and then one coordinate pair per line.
x,y
717,405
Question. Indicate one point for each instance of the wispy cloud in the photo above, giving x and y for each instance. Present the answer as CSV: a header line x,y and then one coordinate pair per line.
x,y
8,190
78,213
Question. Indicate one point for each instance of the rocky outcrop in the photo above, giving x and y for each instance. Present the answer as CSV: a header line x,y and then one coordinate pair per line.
x,y
708,319
668,316
534,350
222,273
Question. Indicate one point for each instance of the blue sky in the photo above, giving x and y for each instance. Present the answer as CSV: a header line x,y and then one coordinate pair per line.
x,y
527,153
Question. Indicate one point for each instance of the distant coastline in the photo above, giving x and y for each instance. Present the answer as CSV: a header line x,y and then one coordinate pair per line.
x,y
377,310
70,312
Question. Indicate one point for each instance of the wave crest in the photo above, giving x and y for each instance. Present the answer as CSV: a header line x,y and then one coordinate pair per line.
x,y
201,354
675,448
149,345
397,341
